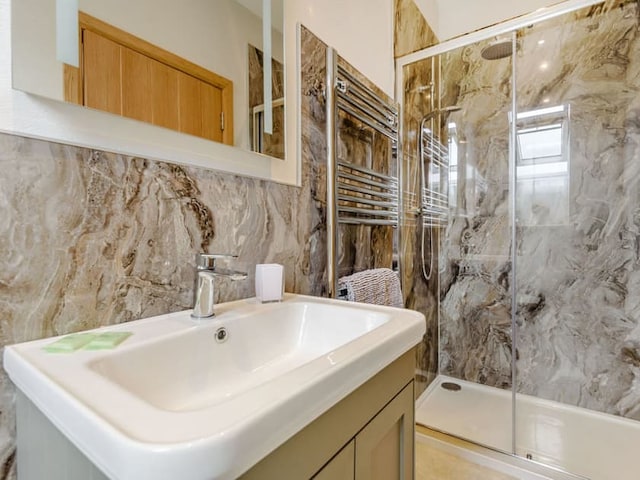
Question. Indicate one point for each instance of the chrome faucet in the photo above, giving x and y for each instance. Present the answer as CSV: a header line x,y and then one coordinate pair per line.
x,y
206,271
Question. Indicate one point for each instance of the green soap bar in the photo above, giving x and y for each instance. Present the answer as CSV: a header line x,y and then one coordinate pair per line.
x,y
107,340
70,343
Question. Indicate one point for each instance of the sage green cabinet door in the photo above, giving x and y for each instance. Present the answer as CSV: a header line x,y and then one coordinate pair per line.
x,y
340,467
384,448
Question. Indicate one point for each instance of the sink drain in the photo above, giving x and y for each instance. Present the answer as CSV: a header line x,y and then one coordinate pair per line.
x,y
221,335
452,387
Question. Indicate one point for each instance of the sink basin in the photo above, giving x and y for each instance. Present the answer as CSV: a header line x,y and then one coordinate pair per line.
x,y
192,371
178,399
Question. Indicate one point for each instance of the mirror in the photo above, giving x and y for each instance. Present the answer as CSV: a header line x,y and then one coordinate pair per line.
x,y
213,35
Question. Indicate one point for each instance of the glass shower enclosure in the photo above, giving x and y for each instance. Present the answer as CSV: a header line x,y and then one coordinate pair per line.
x,y
533,307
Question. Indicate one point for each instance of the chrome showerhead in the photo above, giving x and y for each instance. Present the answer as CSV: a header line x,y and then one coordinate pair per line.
x,y
501,48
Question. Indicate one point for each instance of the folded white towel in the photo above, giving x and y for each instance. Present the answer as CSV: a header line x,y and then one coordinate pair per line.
x,y
380,286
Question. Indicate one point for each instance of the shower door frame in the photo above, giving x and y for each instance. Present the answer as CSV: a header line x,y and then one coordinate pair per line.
x,y
508,27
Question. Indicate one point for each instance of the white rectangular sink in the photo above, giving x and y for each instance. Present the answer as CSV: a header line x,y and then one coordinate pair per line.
x,y
173,402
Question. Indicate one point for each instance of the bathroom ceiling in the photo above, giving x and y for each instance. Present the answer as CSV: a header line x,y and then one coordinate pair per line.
x,y
444,18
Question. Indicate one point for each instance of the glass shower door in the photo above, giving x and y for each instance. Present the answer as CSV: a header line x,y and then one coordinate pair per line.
x,y
577,267
472,397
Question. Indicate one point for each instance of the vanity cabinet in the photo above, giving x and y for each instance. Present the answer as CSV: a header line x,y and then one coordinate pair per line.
x,y
382,450
369,435
340,467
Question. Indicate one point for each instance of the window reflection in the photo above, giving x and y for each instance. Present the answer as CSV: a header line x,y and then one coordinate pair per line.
x,y
542,166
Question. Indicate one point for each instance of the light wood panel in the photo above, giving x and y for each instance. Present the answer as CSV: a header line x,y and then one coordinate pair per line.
x,y
211,111
101,65
123,74
136,85
164,101
190,111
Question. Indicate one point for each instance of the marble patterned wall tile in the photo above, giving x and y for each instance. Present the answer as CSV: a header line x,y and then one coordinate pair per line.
x,y
576,246
412,31
577,271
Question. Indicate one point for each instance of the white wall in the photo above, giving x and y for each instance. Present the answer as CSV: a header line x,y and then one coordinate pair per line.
x,y
362,33
450,18
360,30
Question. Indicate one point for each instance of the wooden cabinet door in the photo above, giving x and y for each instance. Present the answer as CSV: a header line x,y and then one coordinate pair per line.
x,y
211,111
200,106
189,104
164,95
128,76
384,448
136,85
340,467
102,86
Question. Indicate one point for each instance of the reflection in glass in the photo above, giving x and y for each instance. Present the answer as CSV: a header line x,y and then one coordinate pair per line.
x,y
542,167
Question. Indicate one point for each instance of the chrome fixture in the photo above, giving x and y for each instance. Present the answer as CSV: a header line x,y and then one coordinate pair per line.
x,y
356,193
500,48
206,272
434,196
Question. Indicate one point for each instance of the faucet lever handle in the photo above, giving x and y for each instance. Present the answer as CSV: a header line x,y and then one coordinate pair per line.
x,y
208,260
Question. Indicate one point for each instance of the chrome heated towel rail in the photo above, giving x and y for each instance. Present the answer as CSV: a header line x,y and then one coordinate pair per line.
x,y
356,195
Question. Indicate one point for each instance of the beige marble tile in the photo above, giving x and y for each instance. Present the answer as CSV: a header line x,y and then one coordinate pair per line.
x,y
578,266
412,32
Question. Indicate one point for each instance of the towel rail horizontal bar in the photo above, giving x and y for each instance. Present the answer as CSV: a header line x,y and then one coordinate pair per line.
x,y
391,117
368,171
435,224
439,211
431,144
436,209
433,191
366,181
344,73
386,120
436,205
435,194
441,156
441,162
367,221
436,200
348,180
393,206
435,213
380,128
367,211
366,191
